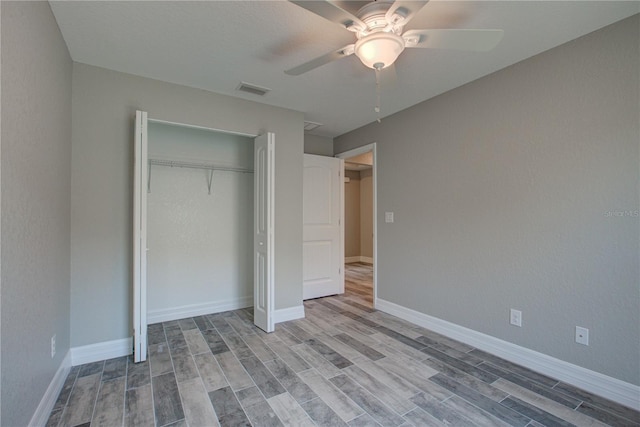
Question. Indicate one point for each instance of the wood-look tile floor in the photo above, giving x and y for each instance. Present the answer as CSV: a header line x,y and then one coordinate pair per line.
x,y
358,282
345,364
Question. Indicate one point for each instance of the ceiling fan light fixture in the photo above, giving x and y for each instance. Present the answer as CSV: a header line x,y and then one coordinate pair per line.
x,y
379,50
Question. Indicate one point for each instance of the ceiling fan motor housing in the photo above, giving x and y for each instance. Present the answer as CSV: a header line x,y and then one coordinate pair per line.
x,y
379,50
379,45
374,15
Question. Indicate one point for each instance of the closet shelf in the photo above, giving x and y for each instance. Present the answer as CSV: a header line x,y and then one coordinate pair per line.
x,y
193,165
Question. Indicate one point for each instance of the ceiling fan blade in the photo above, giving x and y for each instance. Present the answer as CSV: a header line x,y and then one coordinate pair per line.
x,y
321,60
402,11
473,40
333,13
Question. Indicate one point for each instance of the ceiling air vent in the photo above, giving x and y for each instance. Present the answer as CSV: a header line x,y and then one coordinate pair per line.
x,y
252,89
311,125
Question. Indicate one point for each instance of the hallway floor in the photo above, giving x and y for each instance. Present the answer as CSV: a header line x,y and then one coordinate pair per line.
x,y
358,282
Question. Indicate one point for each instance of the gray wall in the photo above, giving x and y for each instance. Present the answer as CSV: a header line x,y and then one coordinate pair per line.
x,y
104,104
35,165
320,145
366,213
521,181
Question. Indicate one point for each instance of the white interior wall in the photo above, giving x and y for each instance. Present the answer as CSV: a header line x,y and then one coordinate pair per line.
x,y
200,244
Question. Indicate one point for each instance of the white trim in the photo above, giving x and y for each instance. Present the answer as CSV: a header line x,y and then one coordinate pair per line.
x,y
101,351
141,168
0,209
191,310
122,347
594,382
192,126
286,314
41,415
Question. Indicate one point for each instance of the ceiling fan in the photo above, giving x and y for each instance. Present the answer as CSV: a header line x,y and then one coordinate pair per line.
x,y
378,28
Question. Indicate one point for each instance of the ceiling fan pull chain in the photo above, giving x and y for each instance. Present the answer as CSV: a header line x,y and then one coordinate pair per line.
x,y
377,107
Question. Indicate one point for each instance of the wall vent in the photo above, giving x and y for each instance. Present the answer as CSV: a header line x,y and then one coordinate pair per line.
x,y
311,125
252,89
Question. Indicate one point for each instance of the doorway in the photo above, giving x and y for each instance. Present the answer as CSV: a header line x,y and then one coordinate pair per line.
x,y
360,223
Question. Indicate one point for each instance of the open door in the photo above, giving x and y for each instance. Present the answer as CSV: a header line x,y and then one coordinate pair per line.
x,y
263,244
140,239
323,227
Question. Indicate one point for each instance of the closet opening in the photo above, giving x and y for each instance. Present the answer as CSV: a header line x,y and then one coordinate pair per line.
x,y
199,222
203,216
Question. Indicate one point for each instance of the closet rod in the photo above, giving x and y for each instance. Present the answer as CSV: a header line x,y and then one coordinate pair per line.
x,y
207,166
180,164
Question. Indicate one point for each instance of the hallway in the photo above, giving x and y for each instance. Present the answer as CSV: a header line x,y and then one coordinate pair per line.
x,y
358,282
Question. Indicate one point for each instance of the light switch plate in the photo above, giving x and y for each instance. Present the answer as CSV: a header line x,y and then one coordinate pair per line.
x,y
515,317
388,217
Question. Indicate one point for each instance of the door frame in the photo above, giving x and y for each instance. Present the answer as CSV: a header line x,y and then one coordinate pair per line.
x,y
140,170
140,177
374,175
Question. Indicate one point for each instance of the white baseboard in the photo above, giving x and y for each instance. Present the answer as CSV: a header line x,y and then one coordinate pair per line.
x,y
286,314
359,258
101,351
41,415
182,312
123,347
611,388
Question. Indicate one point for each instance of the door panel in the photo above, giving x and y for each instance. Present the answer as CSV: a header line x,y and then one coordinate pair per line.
x,y
323,251
264,287
140,238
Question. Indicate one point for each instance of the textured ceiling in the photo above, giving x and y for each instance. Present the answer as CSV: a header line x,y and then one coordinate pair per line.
x,y
214,45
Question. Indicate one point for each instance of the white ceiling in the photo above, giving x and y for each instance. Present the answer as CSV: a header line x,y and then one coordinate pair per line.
x,y
214,45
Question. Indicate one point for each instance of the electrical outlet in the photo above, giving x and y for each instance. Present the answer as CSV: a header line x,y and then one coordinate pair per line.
x,y
516,318
388,217
582,335
53,346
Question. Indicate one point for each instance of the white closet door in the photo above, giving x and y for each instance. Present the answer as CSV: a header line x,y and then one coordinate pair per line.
x,y
323,230
140,239
263,244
